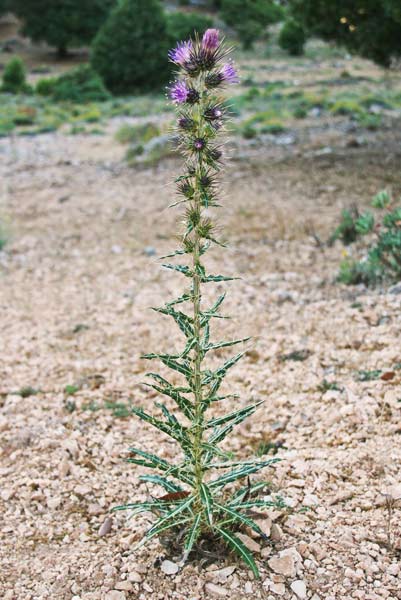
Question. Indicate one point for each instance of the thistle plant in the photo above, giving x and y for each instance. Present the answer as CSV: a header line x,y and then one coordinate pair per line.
x,y
201,499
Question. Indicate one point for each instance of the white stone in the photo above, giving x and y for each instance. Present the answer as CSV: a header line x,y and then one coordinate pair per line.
x,y
105,527
125,586
135,577
216,590
115,595
169,568
299,588
286,563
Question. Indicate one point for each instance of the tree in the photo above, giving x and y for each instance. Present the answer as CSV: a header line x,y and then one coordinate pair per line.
x,y
249,18
129,51
62,23
181,26
371,28
292,38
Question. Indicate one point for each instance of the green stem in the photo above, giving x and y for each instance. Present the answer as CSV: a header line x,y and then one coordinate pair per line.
x,y
198,354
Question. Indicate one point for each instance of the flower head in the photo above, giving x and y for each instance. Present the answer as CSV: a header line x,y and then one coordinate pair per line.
x,y
181,54
210,40
228,73
179,92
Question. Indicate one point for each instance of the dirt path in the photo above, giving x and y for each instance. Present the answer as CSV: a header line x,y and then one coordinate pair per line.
x,y
75,285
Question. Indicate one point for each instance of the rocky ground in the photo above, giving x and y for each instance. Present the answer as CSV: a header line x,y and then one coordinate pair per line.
x,y
76,281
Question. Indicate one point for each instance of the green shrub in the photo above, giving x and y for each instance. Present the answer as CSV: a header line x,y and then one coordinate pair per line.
x,y
129,52
292,38
382,263
250,18
181,26
14,77
62,24
45,87
79,85
129,134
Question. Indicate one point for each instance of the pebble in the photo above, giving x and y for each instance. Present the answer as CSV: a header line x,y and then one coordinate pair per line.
x,y
169,568
216,590
124,585
105,527
221,575
249,542
135,577
299,588
286,563
115,595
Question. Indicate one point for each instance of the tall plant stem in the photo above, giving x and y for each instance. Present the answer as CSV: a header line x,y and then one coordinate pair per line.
x,y
198,356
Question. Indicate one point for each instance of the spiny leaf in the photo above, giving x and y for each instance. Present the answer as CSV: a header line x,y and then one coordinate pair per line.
x,y
183,403
172,254
163,527
172,428
192,536
247,490
184,322
241,472
240,518
221,371
171,361
184,269
217,278
207,501
155,462
168,485
184,298
239,547
225,344
240,414
169,520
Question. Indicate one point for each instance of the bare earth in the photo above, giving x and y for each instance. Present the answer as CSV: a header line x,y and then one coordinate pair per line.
x,y
76,282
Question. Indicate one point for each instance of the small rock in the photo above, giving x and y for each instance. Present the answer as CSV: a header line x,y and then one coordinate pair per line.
x,y
221,575
116,249
54,503
249,542
277,588
395,289
124,585
149,251
95,509
115,595
82,490
276,533
310,500
248,588
299,588
105,527
286,563
64,467
169,568
216,590
135,577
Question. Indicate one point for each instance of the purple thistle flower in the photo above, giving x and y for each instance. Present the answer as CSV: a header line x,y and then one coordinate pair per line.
x,y
179,92
181,54
228,73
199,143
210,40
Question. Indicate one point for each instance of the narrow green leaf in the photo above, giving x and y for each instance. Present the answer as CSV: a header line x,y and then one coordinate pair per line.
x,y
163,527
171,516
184,269
171,428
239,547
168,485
225,344
151,460
183,403
173,254
241,472
172,362
236,417
242,519
207,501
184,322
217,278
191,537
221,371
184,298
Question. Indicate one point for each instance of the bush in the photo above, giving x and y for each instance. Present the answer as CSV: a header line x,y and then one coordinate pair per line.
x,y
249,18
369,28
130,49
62,24
14,77
181,26
79,85
382,264
292,38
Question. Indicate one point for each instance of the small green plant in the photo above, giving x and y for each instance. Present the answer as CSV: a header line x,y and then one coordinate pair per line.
x,y
14,77
80,85
382,263
369,375
292,38
199,502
